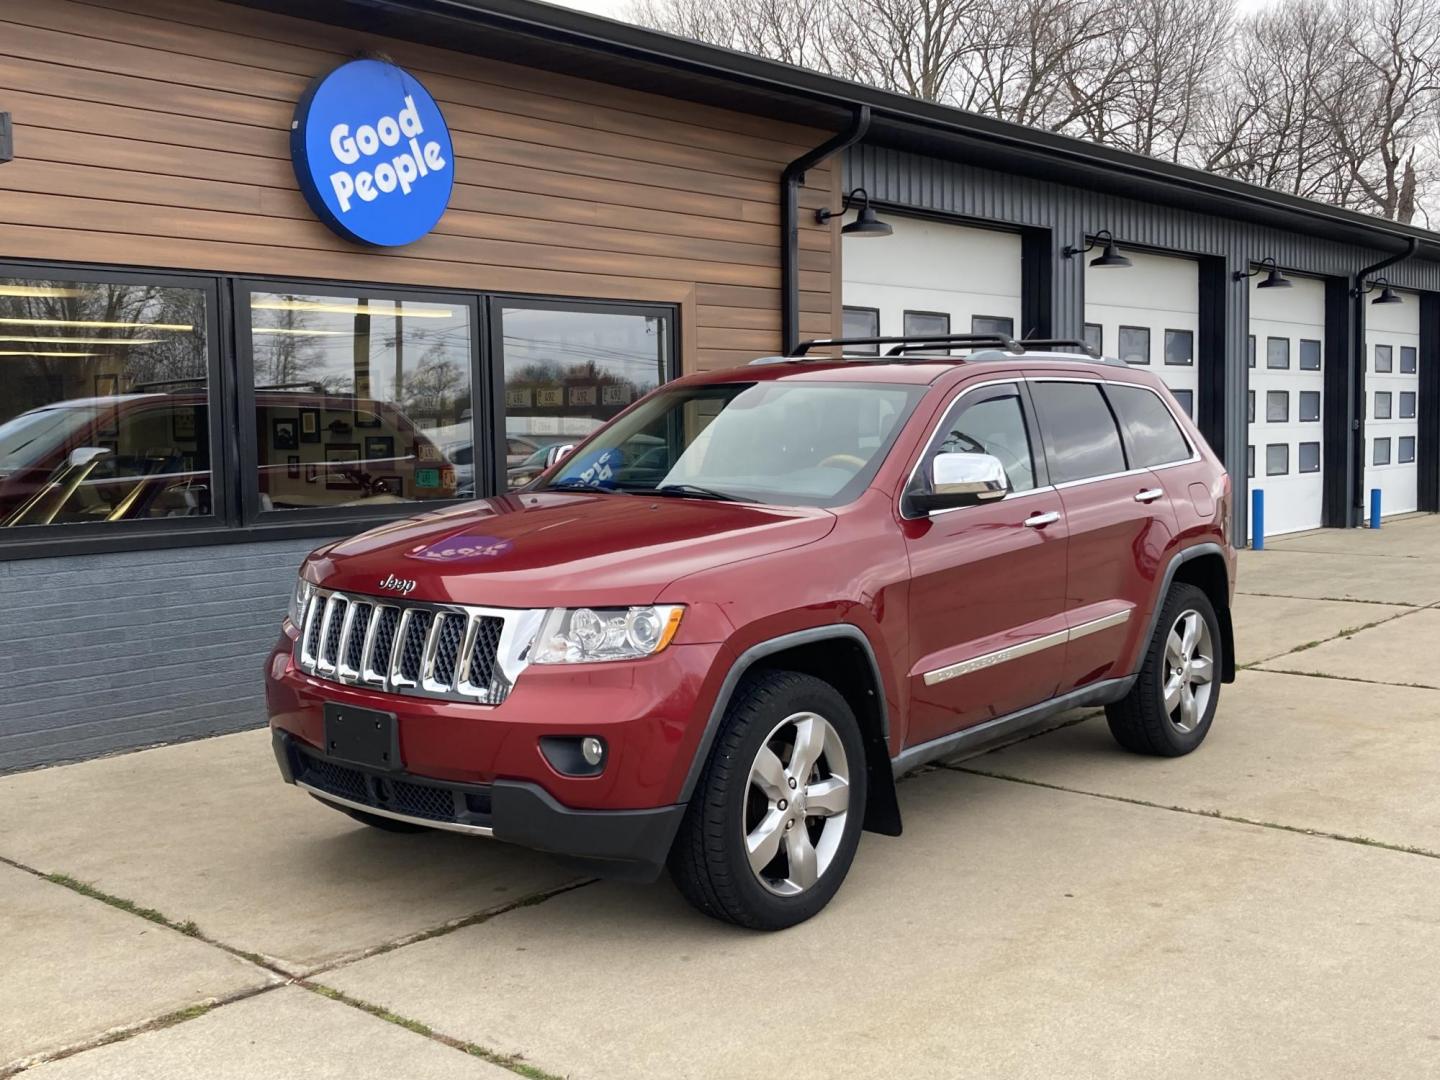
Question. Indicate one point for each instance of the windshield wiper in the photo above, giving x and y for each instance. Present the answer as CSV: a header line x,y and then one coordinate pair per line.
x,y
694,491
587,485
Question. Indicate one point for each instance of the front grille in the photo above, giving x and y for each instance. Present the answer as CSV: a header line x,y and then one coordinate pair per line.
x,y
462,804
409,647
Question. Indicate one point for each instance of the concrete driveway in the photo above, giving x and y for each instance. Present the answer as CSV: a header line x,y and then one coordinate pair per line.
x,y
1267,907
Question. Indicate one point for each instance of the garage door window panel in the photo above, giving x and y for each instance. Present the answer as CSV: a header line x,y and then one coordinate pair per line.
x,y
1309,457
1277,353
1277,406
1384,358
1408,359
1309,406
1081,437
1095,336
1135,344
1179,348
862,322
1381,452
1252,350
1277,459
1406,449
1407,404
992,324
1310,353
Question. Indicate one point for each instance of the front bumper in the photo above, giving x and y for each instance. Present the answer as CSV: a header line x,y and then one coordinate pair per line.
x,y
614,843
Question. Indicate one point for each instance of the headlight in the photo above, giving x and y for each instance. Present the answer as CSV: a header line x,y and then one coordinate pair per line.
x,y
299,597
588,635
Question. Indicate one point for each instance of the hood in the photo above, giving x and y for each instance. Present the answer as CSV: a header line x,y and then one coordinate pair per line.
x,y
554,550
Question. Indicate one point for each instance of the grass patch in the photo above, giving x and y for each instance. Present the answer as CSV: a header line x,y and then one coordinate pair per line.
x,y
188,927
514,1062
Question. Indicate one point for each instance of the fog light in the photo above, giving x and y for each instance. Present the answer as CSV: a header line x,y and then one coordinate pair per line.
x,y
592,750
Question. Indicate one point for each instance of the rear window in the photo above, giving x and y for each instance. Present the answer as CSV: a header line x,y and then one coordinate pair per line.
x,y
1079,430
1153,436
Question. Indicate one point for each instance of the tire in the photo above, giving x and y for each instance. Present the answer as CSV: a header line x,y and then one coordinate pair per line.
x,y
375,821
1141,721
743,796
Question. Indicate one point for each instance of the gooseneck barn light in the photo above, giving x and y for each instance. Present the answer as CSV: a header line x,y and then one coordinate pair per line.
x,y
865,223
1109,255
1274,279
1387,294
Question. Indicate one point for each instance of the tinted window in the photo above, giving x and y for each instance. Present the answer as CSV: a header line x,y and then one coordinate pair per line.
x,y
989,421
1079,430
1135,344
1151,432
862,322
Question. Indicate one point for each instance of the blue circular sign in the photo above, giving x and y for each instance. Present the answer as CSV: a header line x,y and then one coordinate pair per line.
x,y
372,153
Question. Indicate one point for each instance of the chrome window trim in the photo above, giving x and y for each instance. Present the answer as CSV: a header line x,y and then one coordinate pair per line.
x,y
518,629
1025,648
1064,485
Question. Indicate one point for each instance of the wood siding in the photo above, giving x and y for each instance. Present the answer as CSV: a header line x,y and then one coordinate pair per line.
x,y
155,133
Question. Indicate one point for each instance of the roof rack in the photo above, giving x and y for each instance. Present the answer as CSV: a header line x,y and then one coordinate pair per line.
x,y
153,384
999,341
1062,343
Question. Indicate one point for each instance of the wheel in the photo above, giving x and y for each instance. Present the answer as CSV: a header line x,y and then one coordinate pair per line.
x,y
375,821
775,819
1169,709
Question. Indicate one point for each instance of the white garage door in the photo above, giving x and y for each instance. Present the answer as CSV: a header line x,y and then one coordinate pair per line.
x,y
1286,402
1392,393
930,277
1148,313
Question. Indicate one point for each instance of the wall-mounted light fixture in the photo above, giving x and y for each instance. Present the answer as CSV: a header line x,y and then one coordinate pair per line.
x,y
1273,280
1109,255
865,223
1387,294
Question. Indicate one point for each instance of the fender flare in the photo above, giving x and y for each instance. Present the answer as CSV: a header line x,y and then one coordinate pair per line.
x,y
886,807
1177,560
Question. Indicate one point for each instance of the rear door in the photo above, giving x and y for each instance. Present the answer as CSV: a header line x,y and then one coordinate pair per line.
x,y
987,592
1120,523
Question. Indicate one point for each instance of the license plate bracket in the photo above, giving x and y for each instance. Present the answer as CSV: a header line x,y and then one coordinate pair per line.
x,y
359,736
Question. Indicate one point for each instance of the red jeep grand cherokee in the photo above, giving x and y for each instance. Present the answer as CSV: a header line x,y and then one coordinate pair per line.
x,y
714,633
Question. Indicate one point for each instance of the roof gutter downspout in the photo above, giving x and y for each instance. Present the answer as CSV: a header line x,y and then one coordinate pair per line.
x,y
790,181
1357,379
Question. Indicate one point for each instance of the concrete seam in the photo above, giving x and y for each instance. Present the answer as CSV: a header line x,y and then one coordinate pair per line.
x,y
1218,815
1338,678
1335,599
1349,631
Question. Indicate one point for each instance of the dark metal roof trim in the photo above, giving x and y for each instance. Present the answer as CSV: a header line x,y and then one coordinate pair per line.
x,y
899,120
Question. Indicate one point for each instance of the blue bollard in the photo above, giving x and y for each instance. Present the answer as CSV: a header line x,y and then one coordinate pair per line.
x,y
1257,519
1374,508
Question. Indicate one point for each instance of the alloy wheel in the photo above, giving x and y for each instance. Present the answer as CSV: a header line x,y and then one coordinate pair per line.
x,y
796,803
1189,670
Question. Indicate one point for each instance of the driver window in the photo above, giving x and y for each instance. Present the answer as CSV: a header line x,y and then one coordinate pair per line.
x,y
989,421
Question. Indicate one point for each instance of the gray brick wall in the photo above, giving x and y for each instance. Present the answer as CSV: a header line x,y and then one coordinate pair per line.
x,y
110,652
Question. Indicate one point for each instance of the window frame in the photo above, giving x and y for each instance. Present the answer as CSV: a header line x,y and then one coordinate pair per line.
x,y
1375,445
1270,397
905,314
1099,341
1277,367
993,318
29,541
1300,468
246,437
1389,358
231,374
1376,396
1319,364
1412,354
494,305
1319,399
1149,344
1277,446
1400,458
1189,335
1048,445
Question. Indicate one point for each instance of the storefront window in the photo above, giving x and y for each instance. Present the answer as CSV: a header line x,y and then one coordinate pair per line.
x,y
569,368
104,402
361,400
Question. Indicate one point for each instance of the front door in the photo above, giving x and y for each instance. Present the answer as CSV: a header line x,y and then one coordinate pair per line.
x,y
987,587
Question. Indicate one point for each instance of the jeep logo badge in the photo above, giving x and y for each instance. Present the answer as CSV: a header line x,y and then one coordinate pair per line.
x,y
404,586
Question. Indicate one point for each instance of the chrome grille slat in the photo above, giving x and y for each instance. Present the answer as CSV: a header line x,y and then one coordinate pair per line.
x,y
414,648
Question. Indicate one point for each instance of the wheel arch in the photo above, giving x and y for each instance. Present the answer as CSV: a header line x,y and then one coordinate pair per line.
x,y
841,655
1205,567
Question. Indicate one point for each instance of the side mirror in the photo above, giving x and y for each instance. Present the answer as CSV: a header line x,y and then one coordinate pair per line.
x,y
963,480
557,452
84,455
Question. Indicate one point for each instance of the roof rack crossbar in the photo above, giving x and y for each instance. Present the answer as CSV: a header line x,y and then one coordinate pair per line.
x,y
992,340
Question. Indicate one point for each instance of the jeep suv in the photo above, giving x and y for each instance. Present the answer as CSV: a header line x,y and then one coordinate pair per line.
x,y
714,633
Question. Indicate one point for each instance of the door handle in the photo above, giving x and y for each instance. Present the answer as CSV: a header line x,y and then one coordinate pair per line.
x,y
1149,495
1039,521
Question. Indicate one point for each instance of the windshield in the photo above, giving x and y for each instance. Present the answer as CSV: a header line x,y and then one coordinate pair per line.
x,y
29,437
784,443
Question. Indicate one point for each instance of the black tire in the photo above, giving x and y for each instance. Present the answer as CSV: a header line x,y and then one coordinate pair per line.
x,y
1140,721
375,821
709,861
